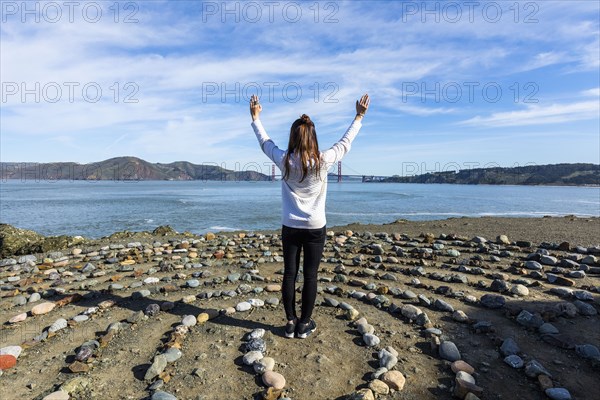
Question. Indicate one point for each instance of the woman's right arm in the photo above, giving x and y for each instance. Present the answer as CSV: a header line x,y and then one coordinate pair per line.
x,y
339,149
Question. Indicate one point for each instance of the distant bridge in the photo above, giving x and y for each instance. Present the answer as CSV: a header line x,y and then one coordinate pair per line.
x,y
339,176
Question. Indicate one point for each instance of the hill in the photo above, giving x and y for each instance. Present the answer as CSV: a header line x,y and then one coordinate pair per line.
x,y
124,168
550,174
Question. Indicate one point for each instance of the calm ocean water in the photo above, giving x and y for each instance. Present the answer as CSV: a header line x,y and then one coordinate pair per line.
x,y
99,208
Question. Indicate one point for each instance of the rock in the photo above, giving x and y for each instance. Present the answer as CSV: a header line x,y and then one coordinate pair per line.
x,y
387,359
14,351
192,283
558,394
379,387
273,288
273,379
548,328
189,320
172,354
42,308
78,367
520,290
533,369
152,310
585,308
461,365
449,351
160,395
158,366
409,311
352,314
394,379
443,306
514,361
263,365
59,324
509,347
502,239
492,301
255,345
7,361
462,388
533,265
588,351
18,318
34,297
243,306
58,395
251,357
529,320
135,317
362,394
460,316
465,377
548,260
370,339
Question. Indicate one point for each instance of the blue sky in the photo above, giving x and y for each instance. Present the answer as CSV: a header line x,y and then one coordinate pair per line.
x,y
528,79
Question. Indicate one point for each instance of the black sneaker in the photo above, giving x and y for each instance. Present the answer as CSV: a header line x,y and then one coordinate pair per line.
x,y
290,329
303,330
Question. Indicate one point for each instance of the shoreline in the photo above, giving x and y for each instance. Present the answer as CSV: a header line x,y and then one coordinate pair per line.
x,y
584,231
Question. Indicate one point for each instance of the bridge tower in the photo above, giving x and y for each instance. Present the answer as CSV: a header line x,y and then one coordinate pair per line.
x,y
339,177
273,173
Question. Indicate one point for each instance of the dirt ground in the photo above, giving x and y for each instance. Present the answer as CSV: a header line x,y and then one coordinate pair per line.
x,y
331,363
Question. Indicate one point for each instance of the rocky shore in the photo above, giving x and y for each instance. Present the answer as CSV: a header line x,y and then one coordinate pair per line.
x,y
465,308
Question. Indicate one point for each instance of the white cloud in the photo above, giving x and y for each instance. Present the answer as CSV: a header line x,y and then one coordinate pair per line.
x,y
538,115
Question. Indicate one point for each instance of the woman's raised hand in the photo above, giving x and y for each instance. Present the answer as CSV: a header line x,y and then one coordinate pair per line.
x,y
255,107
362,105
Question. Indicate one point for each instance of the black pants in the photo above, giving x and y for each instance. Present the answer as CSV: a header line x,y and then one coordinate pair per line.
x,y
294,240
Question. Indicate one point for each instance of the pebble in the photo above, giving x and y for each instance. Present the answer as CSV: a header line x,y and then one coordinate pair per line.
x,y
514,361
263,365
371,340
443,306
558,394
509,347
548,328
18,318
7,361
189,320
492,301
520,290
151,280
460,316
362,394
160,395
59,324
273,379
158,366
172,354
243,306
34,297
461,365
257,333
465,376
588,351
409,311
256,344
14,351
394,379
251,357
192,283
387,359
58,395
533,368
42,308
379,387
449,351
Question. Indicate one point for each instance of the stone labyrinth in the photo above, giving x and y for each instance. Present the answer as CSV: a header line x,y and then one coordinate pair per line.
x,y
194,317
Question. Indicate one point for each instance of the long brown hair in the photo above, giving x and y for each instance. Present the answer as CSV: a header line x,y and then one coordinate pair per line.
x,y
303,142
